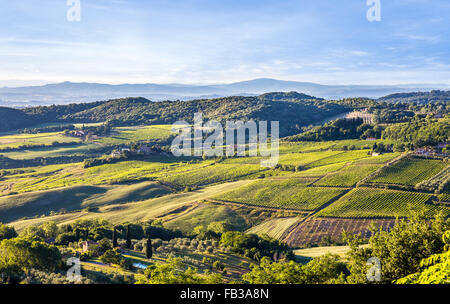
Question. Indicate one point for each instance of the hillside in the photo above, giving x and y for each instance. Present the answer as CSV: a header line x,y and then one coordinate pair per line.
x,y
11,119
293,110
418,97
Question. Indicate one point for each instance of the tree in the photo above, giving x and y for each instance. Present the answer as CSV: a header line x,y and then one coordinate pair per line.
x,y
86,234
19,254
128,238
111,256
400,250
436,268
114,238
173,272
148,248
7,232
324,269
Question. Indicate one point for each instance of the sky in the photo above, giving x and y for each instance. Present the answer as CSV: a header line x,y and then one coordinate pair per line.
x,y
223,41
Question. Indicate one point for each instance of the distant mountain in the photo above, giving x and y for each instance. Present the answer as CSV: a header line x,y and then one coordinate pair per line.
x,y
70,92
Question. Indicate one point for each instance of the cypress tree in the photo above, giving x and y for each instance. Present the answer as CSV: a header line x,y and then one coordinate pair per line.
x,y
128,242
148,248
114,238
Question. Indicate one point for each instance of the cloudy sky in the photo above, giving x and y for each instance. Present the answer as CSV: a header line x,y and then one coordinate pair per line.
x,y
221,41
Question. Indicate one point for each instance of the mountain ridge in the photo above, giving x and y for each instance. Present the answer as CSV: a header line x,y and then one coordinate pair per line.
x,y
75,92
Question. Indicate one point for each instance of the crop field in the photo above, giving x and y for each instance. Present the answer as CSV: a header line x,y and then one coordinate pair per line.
x,y
348,176
346,156
380,203
314,230
304,159
204,215
274,228
378,160
315,252
205,175
17,140
445,197
70,150
127,135
287,194
409,171
437,182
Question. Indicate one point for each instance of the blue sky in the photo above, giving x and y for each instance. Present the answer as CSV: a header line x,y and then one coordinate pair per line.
x,y
221,41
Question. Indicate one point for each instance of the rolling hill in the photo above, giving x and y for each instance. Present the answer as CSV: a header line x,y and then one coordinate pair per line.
x,y
292,109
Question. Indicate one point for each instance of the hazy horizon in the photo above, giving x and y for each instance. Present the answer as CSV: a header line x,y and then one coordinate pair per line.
x,y
205,42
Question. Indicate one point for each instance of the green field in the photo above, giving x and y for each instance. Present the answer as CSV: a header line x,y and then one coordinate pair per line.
x,y
126,135
348,176
274,228
203,216
409,171
285,194
17,140
380,203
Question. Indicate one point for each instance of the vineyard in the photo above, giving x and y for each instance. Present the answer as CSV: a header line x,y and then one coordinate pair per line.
x,y
380,203
409,171
348,176
286,194
437,183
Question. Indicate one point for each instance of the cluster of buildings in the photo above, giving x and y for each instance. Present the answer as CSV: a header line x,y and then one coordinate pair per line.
x,y
142,150
433,151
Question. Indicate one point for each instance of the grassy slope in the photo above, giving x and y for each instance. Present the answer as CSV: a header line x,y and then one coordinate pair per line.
x,y
139,211
73,198
274,227
204,215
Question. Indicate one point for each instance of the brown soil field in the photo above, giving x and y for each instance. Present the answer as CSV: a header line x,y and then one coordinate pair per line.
x,y
313,230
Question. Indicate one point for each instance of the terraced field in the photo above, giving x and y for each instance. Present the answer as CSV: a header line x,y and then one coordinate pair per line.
x,y
348,176
409,171
212,174
286,194
380,203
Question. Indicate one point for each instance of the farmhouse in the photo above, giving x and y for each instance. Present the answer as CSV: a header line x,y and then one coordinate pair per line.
x,y
424,151
116,154
87,245
146,150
